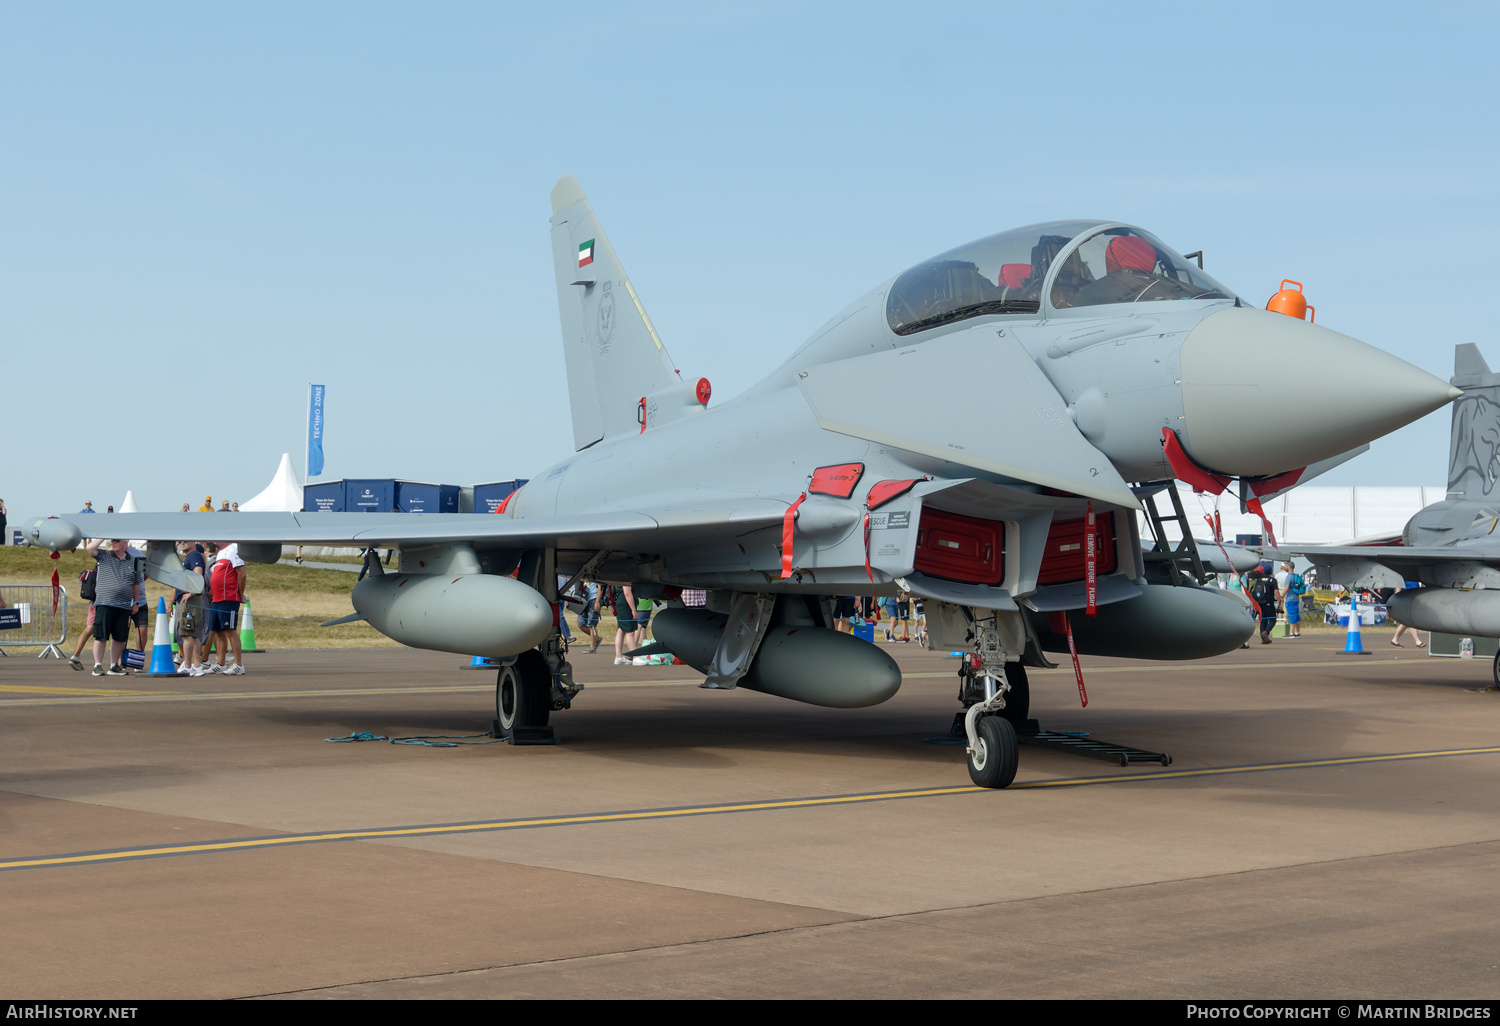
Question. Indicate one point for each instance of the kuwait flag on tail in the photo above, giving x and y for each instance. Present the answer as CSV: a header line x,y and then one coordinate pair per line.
x,y
586,253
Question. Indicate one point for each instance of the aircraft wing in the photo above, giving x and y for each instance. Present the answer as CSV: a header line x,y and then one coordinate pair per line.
x,y
1398,557
1026,434
1389,566
624,529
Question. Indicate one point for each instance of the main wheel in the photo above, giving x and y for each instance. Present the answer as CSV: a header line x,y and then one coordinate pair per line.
x,y
994,763
523,693
1496,674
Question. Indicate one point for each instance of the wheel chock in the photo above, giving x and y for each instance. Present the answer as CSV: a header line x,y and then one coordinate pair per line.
x,y
527,735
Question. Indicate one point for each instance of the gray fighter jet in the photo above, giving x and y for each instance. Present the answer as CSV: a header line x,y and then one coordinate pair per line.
x,y
973,432
1451,548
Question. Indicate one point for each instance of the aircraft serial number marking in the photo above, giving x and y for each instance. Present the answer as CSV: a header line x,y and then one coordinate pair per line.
x,y
440,829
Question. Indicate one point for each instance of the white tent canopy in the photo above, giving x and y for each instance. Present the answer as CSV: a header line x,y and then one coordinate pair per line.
x,y
282,495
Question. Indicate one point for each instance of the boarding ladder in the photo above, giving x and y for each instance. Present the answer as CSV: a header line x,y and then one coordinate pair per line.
x,y
1185,551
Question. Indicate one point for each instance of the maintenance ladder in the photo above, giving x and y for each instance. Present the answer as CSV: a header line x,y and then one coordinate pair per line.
x,y
1186,549
1082,744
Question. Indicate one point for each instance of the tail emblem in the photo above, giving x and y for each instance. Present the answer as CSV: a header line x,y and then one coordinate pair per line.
x,y
586,253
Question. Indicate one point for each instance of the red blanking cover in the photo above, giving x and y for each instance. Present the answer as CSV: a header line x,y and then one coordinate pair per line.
x,y
960,548
1062,560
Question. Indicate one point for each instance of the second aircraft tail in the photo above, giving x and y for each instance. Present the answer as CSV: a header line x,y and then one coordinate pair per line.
x,y
1474,449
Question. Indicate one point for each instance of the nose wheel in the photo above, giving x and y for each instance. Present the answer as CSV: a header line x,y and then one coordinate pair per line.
x,y
993,754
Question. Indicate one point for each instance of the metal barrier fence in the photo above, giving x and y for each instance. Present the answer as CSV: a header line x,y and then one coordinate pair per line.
x,y
29,618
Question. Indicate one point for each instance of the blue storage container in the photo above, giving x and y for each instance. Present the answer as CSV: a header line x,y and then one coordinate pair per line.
x,y
488,497
369,495
418,497
324,497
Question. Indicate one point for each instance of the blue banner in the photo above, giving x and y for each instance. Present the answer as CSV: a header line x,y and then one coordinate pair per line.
x,y
315,433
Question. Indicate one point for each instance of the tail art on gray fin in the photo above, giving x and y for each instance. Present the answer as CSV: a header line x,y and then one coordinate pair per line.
x,y
1474,449
620,379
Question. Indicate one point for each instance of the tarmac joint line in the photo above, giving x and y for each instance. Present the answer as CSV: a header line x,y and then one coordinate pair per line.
x,y
490,826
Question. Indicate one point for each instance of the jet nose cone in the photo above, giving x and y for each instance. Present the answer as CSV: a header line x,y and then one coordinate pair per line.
x,y
1246,377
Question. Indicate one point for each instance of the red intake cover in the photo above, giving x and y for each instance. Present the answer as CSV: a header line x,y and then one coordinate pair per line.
x,y
959,548
1062,559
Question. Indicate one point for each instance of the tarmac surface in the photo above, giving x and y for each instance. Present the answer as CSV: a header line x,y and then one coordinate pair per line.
x,y
1328,828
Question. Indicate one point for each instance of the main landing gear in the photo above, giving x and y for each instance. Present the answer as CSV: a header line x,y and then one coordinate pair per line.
x,y
527,691
523,694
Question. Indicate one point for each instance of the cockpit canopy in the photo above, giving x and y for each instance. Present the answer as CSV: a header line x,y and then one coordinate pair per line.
x,y
1007,273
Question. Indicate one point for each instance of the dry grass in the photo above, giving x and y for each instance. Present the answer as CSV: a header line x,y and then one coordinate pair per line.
x,y
289,602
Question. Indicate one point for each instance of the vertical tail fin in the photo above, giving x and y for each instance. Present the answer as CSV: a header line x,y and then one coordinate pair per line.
x,y
620,378
1474,449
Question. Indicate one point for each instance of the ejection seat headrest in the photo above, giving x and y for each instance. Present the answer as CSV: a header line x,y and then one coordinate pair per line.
x,y
1013,276
1129,253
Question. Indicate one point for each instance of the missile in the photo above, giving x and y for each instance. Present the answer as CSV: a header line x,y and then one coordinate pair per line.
x,y
1448,610
51,533
806,664
471,614
1183,622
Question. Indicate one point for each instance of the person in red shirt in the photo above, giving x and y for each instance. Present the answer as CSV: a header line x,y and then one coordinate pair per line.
x,y
227,584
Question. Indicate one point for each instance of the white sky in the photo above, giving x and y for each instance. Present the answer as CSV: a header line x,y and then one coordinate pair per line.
x,y
216,204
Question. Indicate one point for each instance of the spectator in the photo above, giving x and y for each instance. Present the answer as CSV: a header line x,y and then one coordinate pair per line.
x,y
1263,592
1293,587
843,611
624,602
588,618
694,598
4,538
224,508
192,616
88,507
84,592
1402,628
903,615
110,510
227,580
208,504
236,508
118,593
141,615
562,610
187,507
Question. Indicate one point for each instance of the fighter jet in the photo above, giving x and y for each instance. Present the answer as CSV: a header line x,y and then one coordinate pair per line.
x,y
971,431
1451,548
